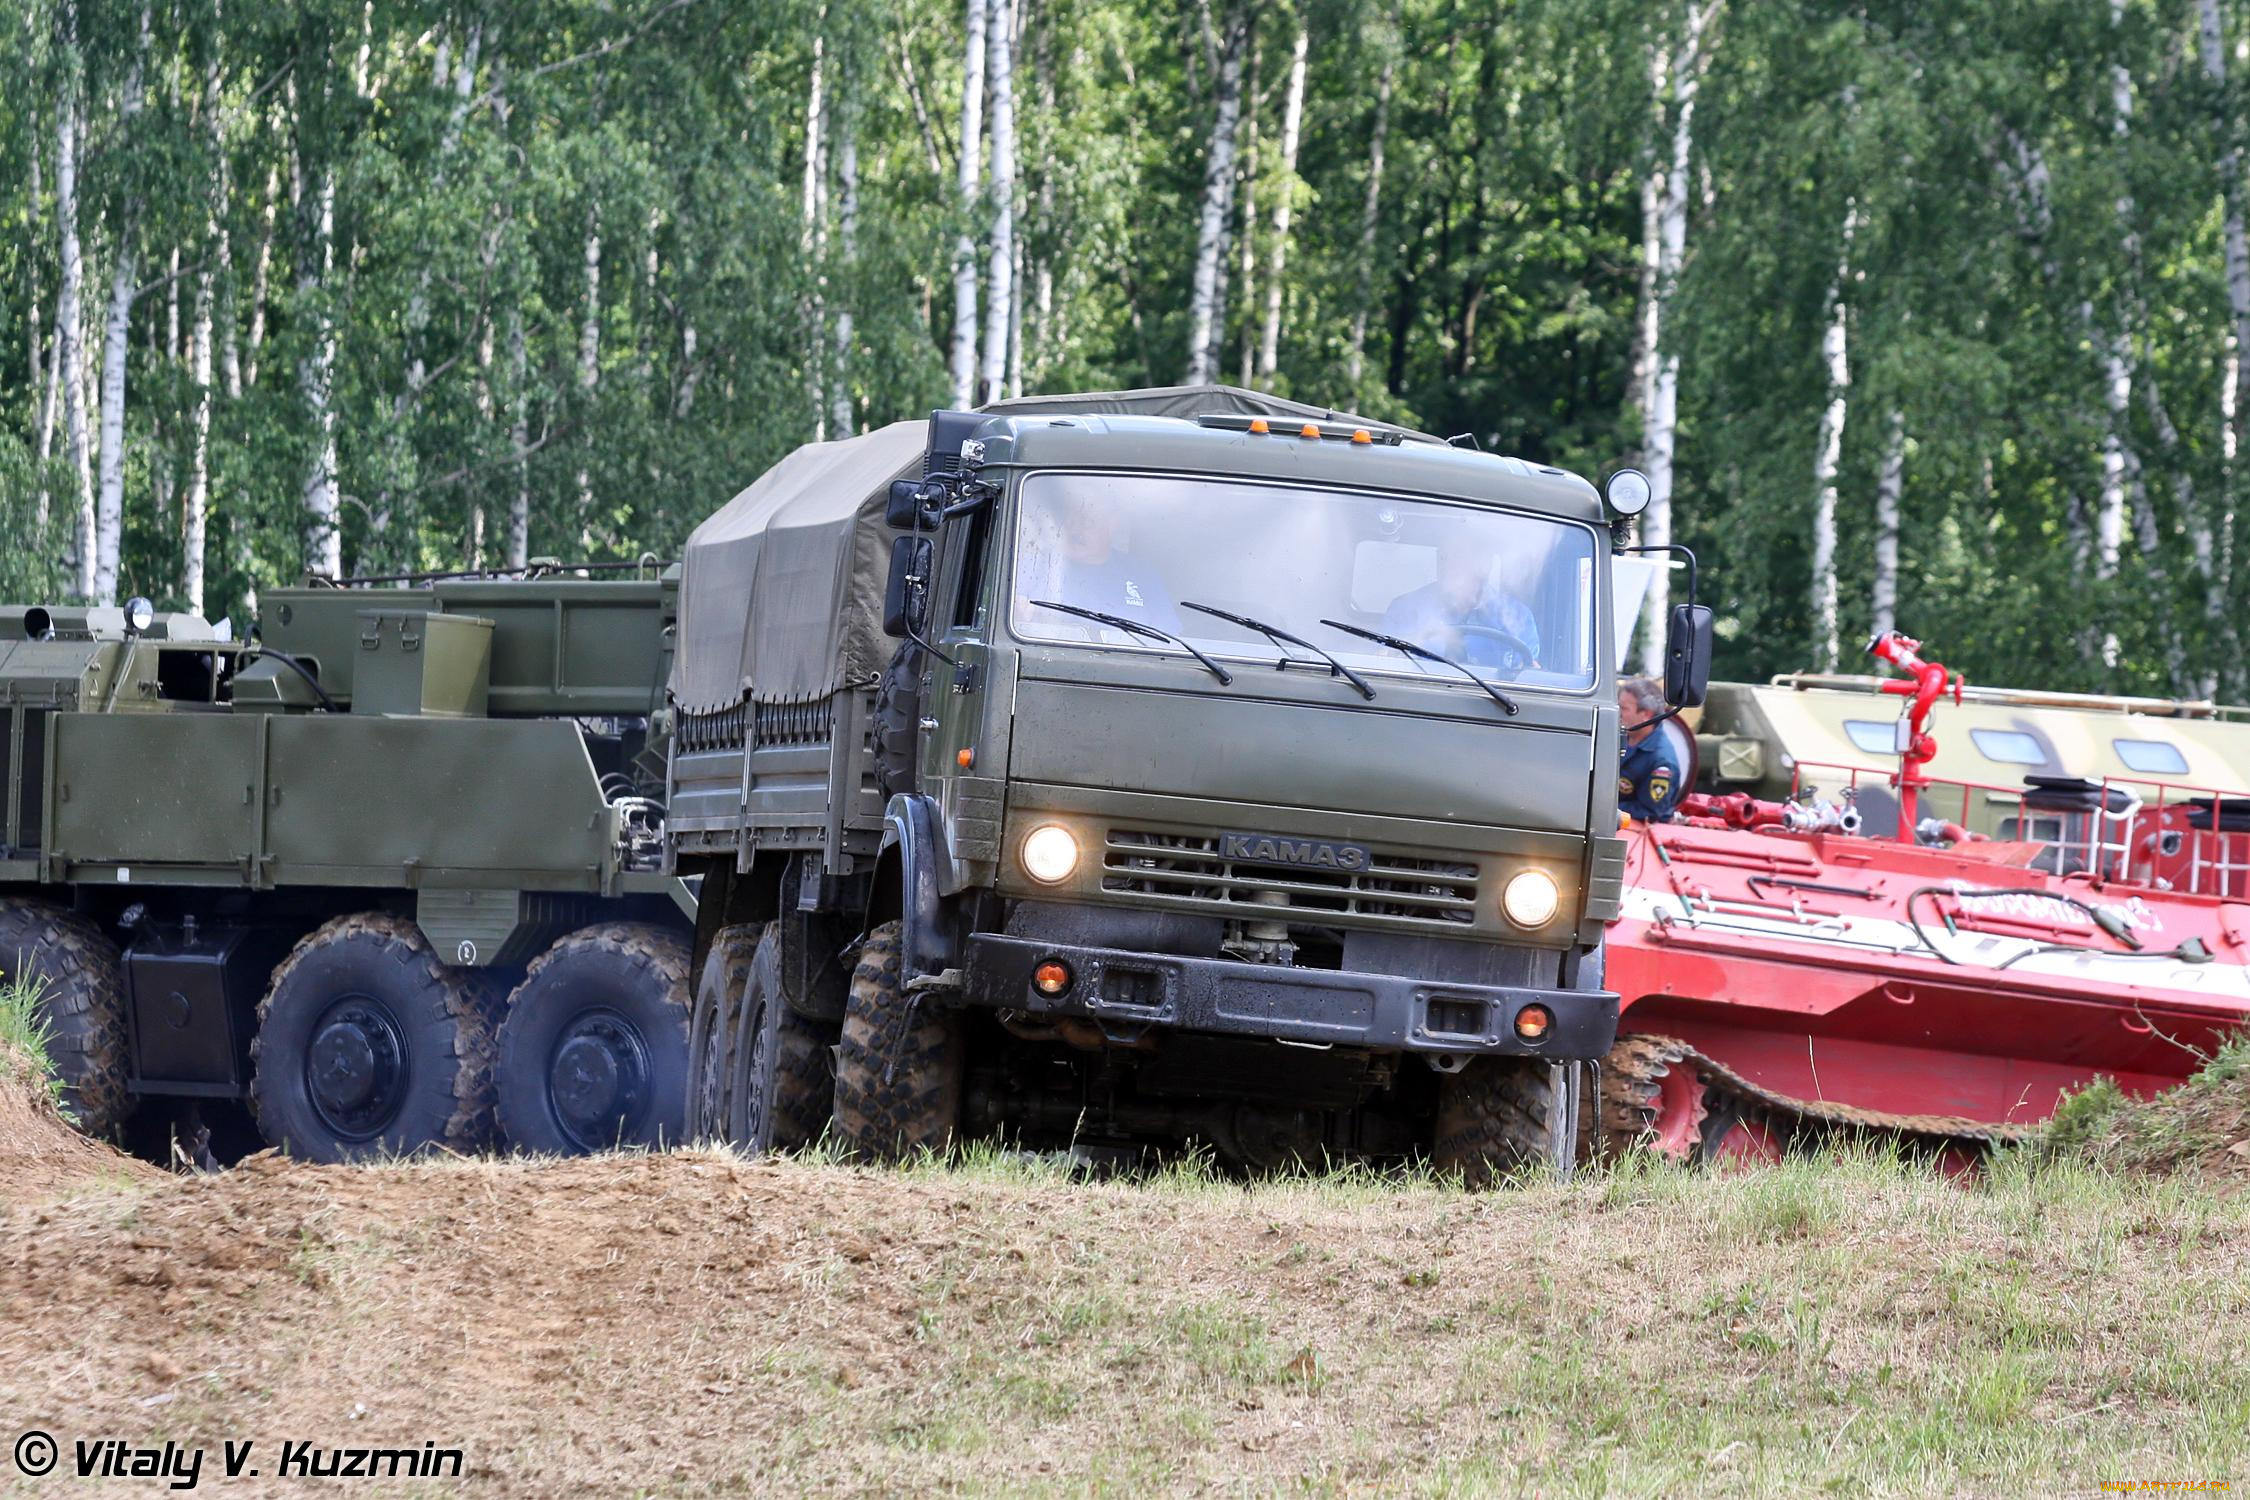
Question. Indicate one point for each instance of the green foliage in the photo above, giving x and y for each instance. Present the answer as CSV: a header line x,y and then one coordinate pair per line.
x,y
23,1033
2005,232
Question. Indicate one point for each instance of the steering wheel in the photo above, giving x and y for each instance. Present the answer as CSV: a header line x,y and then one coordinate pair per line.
x,y
1515,656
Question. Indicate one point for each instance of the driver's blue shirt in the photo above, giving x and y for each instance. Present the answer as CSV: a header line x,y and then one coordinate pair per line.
x,y
1423,616
1648,778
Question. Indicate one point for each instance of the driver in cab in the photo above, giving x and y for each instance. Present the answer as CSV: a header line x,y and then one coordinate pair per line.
x,y
1466,613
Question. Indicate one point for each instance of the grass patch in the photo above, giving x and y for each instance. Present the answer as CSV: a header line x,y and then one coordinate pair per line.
x,y
23,1034
2204,1123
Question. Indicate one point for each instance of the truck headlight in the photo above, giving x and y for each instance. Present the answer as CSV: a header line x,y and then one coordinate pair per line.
x,y
1530,898
1049,854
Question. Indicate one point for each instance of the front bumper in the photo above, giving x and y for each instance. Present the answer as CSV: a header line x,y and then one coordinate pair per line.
x,y
1129,994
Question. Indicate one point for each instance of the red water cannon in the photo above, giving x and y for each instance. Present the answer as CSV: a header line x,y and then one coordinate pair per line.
x,y
1924,684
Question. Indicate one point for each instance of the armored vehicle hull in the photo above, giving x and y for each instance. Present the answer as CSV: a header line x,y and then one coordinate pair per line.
x,y
344,877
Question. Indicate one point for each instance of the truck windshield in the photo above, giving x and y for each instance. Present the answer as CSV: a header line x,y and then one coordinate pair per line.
x,y
1511,595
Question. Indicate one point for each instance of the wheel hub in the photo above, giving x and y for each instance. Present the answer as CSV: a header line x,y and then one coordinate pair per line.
x,y
599,1079
355,1068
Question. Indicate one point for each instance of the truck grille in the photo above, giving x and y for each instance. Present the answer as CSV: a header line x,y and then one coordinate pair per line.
x,y
1190,867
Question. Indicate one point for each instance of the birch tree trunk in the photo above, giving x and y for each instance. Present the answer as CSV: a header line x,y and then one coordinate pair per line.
x,y
2212,44
1660,421
1890,488
109,513
966,185
1828,450
195,501
1370,220
519,434
1001,273
590,354
2120,466
316,371
1285,205
845,415
1245,222
812,234
70,352
1204,310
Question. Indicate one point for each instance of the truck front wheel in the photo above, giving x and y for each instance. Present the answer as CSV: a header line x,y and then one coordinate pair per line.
x,y
783,1088
593,1053
368,1046
1502,1116
898,1066
80,1006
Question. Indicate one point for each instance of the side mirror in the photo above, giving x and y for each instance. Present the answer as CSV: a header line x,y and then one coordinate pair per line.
x,y
1687,656
906,595
908,505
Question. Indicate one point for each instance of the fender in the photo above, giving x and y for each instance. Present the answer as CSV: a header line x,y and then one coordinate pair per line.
x,y
908,869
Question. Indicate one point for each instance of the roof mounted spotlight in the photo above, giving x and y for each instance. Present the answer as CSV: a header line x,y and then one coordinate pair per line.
x,y
139,615
1628,492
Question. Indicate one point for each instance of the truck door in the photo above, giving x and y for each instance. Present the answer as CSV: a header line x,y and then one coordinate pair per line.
x,y
954,694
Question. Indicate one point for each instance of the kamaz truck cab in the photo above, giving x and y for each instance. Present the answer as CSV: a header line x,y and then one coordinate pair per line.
x,y
1242,775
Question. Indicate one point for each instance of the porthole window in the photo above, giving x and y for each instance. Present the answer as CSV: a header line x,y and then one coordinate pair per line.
x,y
2010,747
2151,757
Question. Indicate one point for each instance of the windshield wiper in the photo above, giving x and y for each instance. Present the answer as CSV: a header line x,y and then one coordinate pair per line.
x,y
1282,637
1135,627
1411,649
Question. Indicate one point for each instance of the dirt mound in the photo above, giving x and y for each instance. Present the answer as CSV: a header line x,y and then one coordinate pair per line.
x,y
696,1323
40,1153
2203,1126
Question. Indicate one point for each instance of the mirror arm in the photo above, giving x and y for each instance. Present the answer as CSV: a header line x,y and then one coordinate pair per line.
x,y
1676,549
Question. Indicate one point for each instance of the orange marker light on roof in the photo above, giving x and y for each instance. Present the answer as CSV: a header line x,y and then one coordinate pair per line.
x,y
1362,435
965,758
1258,425
1308,430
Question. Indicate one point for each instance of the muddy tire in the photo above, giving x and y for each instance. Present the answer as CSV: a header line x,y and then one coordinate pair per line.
x,y
1496,1120
81,1007
368,1046
593,1052
898,1065
711,1032
784,1086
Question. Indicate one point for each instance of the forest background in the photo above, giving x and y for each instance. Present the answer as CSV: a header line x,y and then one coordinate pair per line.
x,y
1921,314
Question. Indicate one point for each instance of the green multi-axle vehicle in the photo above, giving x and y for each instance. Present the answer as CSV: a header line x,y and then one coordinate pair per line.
x,y
391,875
1110,772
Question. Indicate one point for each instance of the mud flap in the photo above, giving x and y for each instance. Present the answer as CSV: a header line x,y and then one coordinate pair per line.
x,y
1567,1082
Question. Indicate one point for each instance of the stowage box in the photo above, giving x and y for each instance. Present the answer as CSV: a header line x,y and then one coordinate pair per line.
x,y
423,664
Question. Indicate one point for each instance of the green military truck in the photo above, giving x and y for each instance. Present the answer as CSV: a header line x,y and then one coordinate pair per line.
x,y
1150,768
390,875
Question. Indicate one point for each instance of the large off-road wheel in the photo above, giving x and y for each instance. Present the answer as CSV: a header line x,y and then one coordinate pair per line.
x,y
593,1052
1499,1117
368,1046
784,1082
81,1006
898,1065
895,726
713,1021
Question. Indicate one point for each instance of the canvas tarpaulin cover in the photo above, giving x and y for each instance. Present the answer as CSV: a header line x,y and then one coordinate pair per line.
x,y
781,591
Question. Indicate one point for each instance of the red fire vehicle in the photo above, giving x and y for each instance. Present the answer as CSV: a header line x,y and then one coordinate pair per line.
x,y
1785,977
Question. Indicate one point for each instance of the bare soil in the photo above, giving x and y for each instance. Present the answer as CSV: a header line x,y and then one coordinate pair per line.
x,y
695,1323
